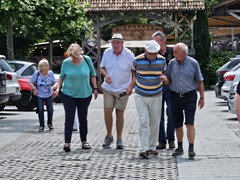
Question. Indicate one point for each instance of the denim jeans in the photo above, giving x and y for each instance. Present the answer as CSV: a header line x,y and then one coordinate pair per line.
x,y
70,104
167,134
40,105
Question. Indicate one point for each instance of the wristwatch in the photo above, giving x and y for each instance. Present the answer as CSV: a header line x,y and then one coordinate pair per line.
x,y
33,88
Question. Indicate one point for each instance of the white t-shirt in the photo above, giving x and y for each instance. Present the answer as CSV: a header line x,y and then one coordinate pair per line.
x,y
118,68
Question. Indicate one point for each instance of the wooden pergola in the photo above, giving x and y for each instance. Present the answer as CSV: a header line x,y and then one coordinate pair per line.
x,y
225,20
104,12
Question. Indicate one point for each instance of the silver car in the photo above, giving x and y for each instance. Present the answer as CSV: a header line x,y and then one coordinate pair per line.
x,y
24,69
230,101
12,86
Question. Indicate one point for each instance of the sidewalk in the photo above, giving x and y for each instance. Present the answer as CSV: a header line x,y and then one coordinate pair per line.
x,y
217,144
40,156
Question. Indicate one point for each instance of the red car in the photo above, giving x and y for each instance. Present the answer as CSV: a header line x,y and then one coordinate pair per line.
x,y
25,103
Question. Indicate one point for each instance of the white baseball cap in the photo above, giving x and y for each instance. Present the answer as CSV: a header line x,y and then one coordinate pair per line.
x,y
152,46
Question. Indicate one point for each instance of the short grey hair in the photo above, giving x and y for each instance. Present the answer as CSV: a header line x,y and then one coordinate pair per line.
x,y
42,64
183,47
160,34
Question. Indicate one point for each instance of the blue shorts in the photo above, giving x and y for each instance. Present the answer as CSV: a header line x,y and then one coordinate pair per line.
x,y
183,105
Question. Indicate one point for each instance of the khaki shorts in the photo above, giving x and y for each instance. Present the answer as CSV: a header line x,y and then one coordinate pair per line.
x,y
113,100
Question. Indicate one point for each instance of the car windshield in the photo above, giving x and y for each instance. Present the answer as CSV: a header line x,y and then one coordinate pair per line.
x,y
5,66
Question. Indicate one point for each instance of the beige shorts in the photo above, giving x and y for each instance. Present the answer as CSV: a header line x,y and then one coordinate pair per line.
x,y
113,100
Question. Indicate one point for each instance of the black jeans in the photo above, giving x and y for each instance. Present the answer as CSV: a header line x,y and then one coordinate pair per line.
x,y
70,104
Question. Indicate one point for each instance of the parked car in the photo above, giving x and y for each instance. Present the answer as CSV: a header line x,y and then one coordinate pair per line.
x,y
28,101
229,78
12,86
230,101
25,70
4,97
25,103
220,73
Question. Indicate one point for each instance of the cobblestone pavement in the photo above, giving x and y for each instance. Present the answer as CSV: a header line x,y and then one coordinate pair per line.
x,y
39,156
36,155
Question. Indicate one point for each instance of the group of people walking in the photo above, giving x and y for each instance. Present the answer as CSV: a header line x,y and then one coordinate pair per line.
x,y
157,78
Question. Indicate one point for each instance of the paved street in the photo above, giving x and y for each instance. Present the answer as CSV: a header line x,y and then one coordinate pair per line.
x,y
27,154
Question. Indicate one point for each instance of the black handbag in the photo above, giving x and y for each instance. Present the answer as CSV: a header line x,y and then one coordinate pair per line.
x,y
31,95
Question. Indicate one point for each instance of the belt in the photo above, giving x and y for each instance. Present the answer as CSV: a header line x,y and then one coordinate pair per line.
x,y
184,94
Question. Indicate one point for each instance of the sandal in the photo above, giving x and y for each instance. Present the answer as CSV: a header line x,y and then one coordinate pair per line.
x,y
85,145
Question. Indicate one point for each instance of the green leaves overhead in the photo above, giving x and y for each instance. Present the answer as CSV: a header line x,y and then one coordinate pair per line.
x,y
41,20
44,18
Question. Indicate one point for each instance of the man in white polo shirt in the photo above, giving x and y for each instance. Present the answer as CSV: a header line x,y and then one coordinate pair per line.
x,y
116,68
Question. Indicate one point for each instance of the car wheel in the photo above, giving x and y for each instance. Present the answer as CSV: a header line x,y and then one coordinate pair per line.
x,y
2,106
23,104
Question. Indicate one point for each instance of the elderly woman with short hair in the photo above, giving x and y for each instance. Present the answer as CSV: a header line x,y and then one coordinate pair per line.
x,y
41,83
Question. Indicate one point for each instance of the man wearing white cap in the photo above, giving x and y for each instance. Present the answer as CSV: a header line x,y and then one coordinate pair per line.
x,y
116,68
147,73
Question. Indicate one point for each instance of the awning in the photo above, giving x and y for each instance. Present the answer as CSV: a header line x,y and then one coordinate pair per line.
x,y
129,44
132,44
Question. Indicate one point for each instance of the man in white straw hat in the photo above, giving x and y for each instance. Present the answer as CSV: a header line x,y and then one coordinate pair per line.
x,y
116,68
147,72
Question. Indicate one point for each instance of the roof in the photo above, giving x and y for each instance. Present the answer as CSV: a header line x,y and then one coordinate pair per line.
x,y
225,19
131,44
143,5
128,44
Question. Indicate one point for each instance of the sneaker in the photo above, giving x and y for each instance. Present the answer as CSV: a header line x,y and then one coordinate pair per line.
x,y
119,144
171,144
161,146
41,129
144,154
107,141
153,152
191,153
177,152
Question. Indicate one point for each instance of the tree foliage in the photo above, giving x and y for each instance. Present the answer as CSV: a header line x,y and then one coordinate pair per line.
x,y
43,20
202,41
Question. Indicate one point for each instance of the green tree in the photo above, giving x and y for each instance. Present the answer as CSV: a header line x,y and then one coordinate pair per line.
x,y
202,39
42,20
63,20
14,14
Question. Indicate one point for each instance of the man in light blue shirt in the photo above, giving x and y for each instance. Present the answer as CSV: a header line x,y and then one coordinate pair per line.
x,y
184,75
